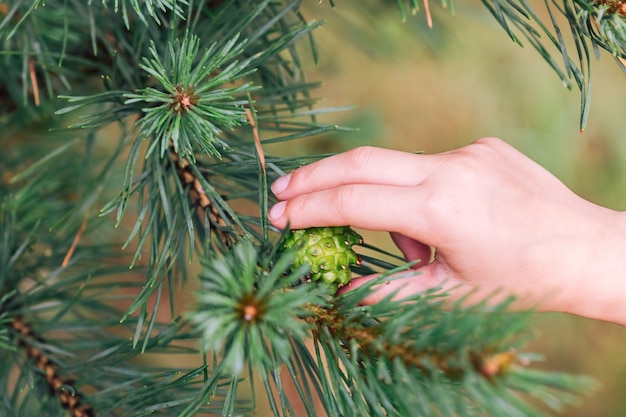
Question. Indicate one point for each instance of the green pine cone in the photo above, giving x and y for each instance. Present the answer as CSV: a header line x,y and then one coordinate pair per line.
x,y
328,251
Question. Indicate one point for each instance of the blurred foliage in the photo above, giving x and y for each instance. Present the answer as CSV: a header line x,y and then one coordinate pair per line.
x,y
436,89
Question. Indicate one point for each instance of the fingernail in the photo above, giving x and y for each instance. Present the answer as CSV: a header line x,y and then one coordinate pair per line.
x,y
277,210
281,184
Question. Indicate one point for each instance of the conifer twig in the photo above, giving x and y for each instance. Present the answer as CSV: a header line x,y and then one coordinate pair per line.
x,y
487,364
61,386
199,196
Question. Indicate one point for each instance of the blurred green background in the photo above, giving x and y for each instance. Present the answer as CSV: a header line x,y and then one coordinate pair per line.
x,y
421,89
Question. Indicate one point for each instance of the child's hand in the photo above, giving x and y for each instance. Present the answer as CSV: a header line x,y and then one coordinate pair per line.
x,y
498,221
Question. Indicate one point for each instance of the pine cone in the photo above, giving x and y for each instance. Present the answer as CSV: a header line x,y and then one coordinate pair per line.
x,y
328,251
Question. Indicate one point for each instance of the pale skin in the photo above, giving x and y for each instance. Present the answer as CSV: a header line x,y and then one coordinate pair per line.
x,y
500,224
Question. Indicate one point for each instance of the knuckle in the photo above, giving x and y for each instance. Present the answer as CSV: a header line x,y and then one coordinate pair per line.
x,y
439,208
433,206
474,159
361,157
492,147
465,163
299,176
342,199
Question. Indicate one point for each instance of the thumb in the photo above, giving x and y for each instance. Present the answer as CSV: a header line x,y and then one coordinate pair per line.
x,y
401,286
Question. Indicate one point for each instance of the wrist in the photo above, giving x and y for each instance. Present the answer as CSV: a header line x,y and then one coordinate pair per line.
x,y
598,290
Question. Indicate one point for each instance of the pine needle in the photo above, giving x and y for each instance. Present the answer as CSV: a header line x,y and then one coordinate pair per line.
x,y
79,234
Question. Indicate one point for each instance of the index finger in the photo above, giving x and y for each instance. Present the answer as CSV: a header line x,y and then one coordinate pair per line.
x,y
363,165
373,207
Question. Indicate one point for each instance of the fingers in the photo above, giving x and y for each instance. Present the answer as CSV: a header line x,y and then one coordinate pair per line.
x,y
372,207
423,279
364,165
435,277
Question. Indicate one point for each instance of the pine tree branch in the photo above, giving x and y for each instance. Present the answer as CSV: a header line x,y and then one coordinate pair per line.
x,y
60,386
201,200
252,312
373,353
593,24
76,310
488,363
60,315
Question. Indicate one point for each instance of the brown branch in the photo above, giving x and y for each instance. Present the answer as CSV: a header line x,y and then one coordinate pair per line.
x,y
181,103
200,198
62,387
488,364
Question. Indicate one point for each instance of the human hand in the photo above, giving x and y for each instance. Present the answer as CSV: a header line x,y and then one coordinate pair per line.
x,y
499,223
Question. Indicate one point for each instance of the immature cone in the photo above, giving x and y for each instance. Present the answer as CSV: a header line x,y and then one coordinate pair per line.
x,y
328,251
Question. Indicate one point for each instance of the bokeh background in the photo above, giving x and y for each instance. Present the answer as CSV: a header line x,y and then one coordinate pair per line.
x,y
421,89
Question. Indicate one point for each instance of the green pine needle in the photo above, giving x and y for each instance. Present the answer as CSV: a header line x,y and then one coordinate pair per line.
x,y
594,25
246,303
149,7
192,112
